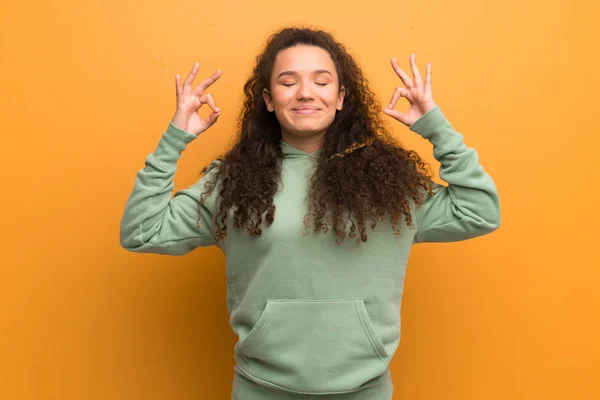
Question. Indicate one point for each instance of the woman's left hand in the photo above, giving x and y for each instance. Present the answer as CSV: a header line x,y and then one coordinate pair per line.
x,y
417,92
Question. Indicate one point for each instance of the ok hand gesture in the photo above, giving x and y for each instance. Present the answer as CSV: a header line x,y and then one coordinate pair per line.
x,y
190,100
417,92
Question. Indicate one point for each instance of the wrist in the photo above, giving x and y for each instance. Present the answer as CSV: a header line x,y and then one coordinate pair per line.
x,y
180,121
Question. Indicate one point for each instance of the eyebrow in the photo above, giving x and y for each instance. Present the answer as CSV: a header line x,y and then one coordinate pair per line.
x,y
294,73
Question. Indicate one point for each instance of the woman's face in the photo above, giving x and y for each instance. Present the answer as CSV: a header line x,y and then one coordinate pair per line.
x,y
305,92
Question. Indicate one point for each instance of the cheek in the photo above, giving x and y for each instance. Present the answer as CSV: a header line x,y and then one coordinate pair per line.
x,y
281,98
331,97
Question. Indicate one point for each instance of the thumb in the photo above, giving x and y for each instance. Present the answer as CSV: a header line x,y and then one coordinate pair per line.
x,y
212,118
397,115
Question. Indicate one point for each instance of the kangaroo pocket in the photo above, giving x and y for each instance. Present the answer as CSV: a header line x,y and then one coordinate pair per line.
x,y
313,346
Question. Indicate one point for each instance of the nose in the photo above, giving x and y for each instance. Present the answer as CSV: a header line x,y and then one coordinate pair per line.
x,y
305,92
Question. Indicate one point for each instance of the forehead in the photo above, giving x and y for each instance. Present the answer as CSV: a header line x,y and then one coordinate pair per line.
x,y
303,59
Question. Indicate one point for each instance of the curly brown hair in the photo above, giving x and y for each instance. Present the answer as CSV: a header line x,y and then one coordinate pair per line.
x,y
362,173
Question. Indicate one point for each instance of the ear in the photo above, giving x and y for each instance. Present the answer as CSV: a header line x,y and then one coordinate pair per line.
x,y
267,98
341,95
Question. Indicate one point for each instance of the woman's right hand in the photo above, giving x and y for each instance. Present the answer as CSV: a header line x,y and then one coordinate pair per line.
x,y
190,100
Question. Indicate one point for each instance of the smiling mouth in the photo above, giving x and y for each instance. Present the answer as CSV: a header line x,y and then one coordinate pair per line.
x,y
305,110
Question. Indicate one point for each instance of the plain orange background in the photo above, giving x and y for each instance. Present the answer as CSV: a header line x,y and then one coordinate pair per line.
x,y
86,90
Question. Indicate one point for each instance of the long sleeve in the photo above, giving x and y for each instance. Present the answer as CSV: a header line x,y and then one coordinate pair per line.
x,y
469,205
152,221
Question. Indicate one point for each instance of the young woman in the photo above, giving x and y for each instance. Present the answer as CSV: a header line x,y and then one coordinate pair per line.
x,y
316,208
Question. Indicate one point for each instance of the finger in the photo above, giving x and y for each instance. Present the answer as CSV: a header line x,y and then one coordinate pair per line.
x,y
415,71
399,92
178,88
208,99
211,119
192,75
403,76
397,115
428,79
205,84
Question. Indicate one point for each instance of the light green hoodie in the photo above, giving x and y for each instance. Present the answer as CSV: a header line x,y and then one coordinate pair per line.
x,y
312,317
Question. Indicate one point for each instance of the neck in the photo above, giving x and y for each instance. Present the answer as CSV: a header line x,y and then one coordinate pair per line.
x,y
308,144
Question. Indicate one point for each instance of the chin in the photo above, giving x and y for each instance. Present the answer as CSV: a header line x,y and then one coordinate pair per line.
x,y
307,128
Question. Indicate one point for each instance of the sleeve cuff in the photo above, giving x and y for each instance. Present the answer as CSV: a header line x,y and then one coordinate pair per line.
x,y
429,122
434,127
172,144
